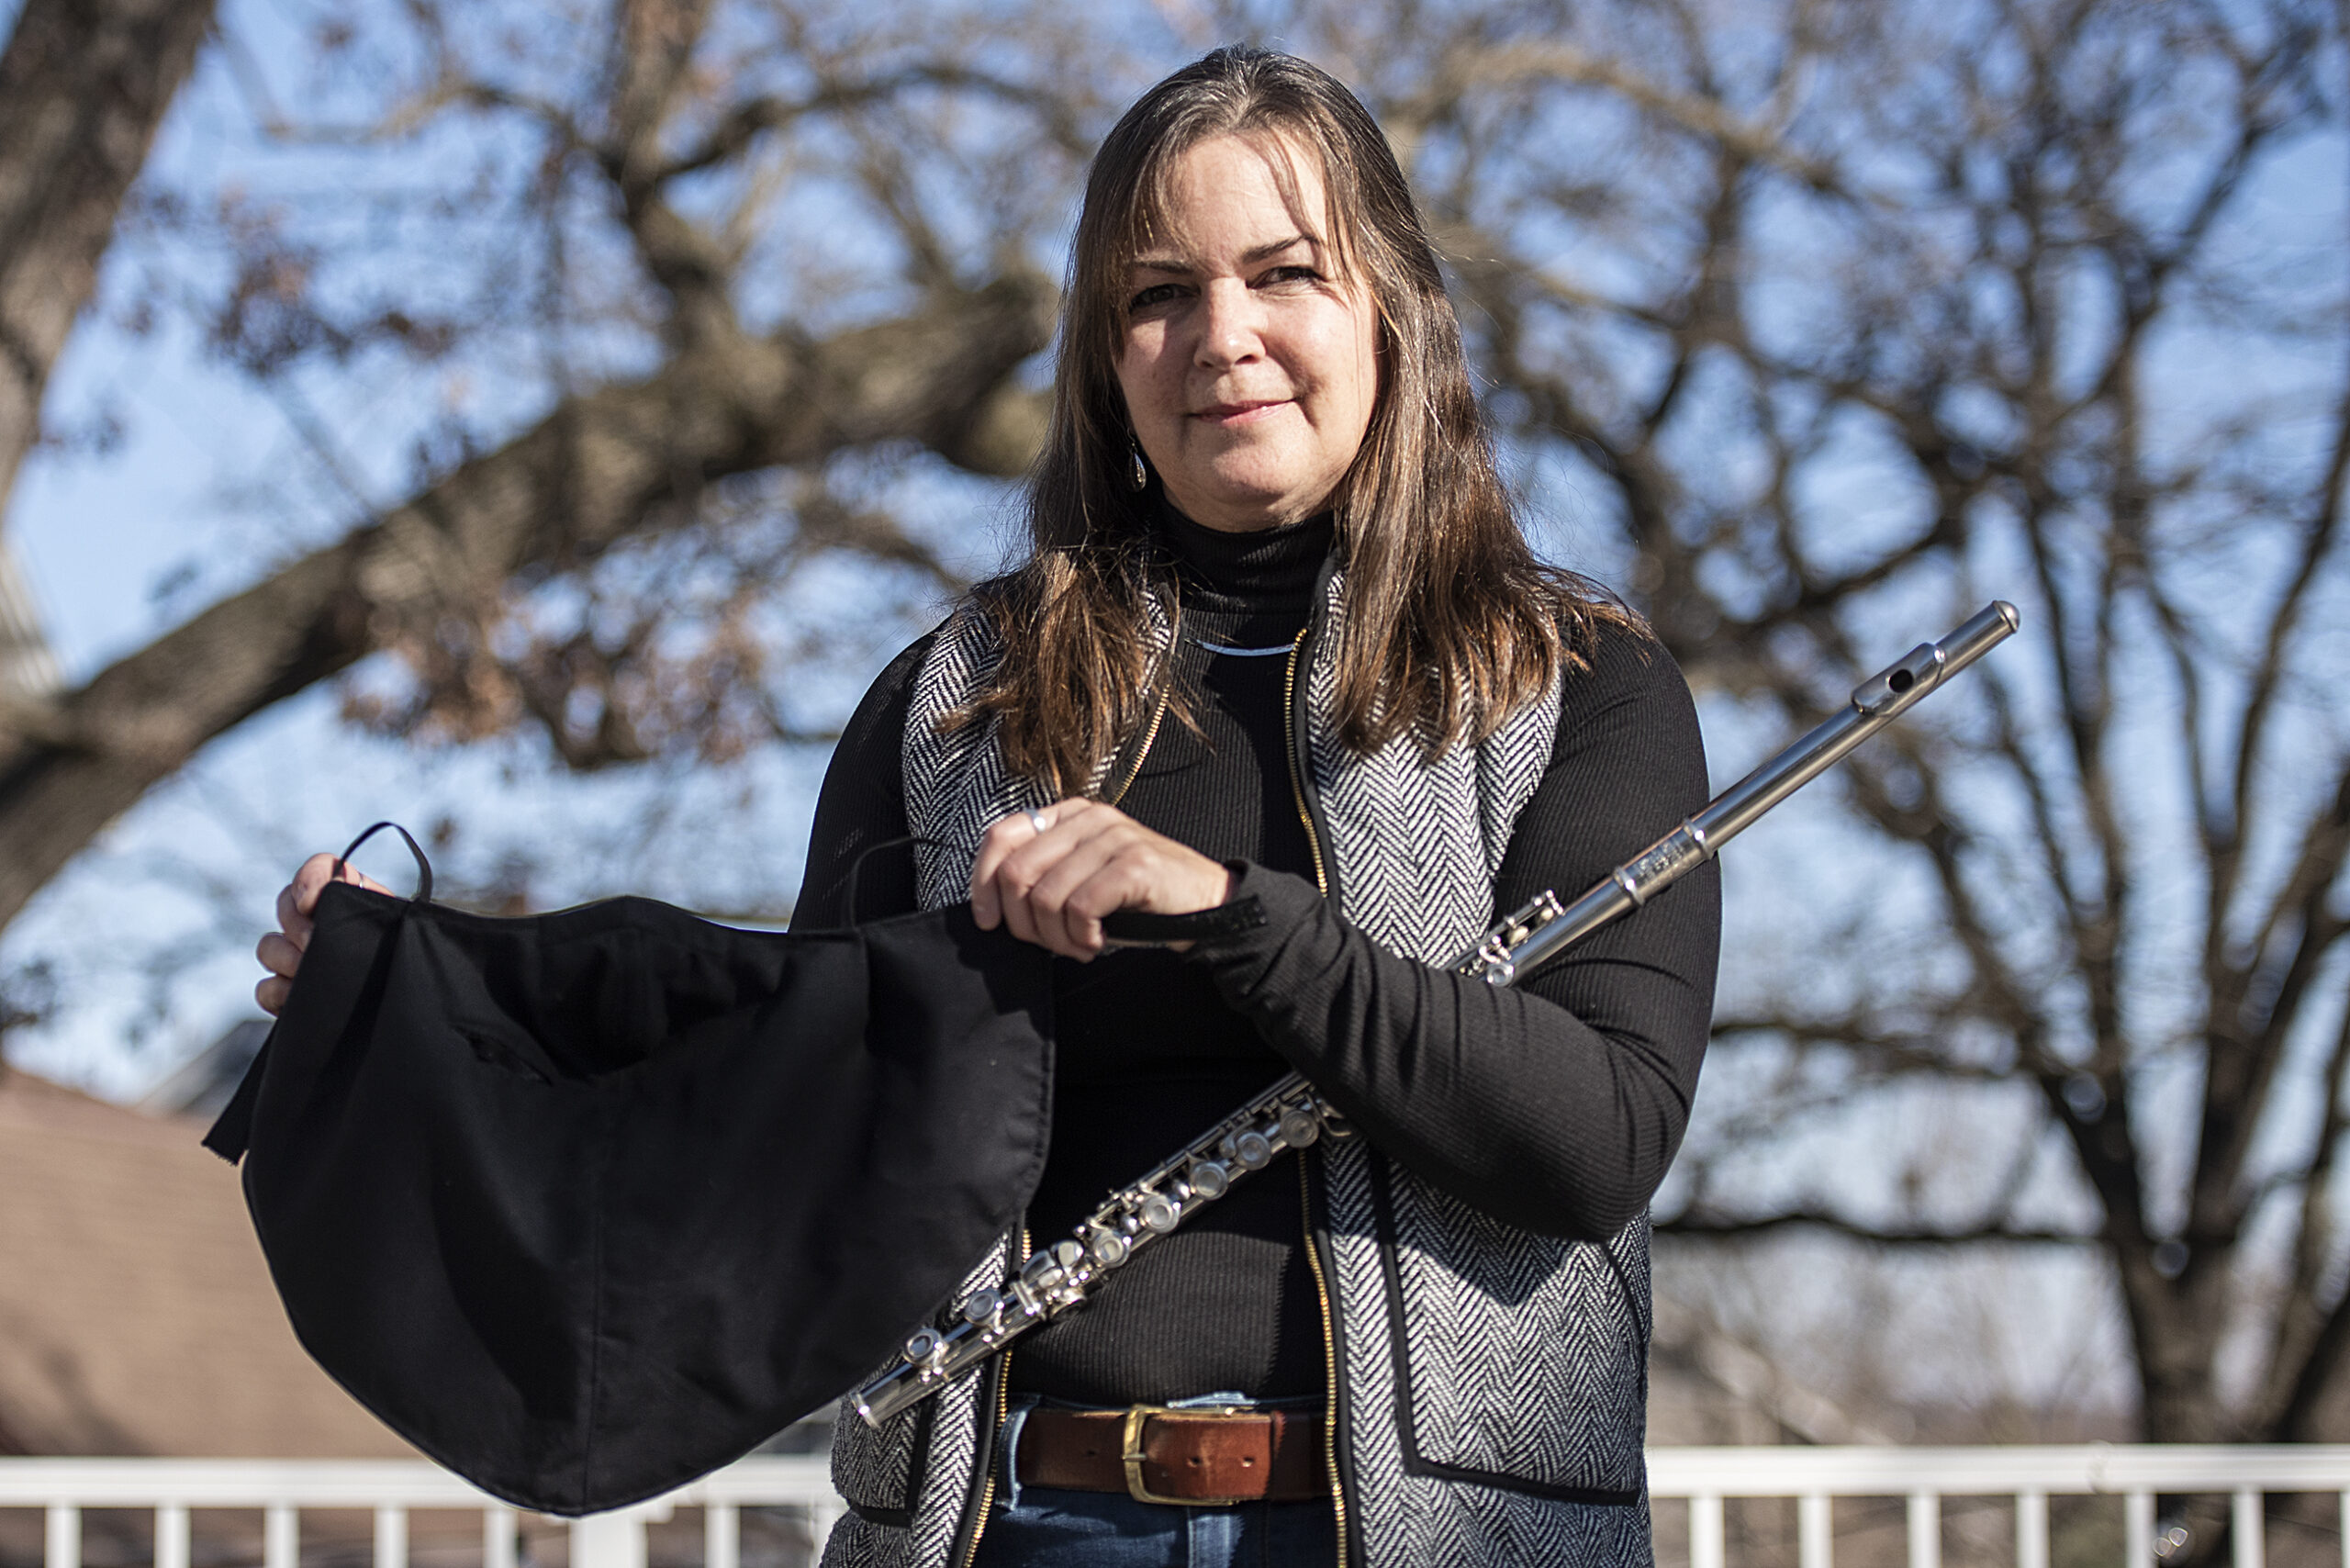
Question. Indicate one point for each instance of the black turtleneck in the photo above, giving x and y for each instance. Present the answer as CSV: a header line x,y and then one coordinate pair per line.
x,y
1557,1103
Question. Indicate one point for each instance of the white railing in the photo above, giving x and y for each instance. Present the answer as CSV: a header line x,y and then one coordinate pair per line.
x,y
281,1489
1702,1479
1815,1476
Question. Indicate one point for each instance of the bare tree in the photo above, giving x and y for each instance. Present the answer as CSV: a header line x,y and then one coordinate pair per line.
x,y
613,134
1828,320
1849,324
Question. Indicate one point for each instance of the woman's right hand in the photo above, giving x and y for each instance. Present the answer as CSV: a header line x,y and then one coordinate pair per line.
x,y
280,952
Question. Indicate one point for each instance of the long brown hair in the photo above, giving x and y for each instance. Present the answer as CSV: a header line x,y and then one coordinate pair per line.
x,y
1451,620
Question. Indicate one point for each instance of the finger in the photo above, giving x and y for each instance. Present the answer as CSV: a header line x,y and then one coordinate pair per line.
x,y
290,918
1017,877
1010,884
1083,883
1024,842
1103,867
272,992
1085,856
1130,877
278,953
995,848
309,880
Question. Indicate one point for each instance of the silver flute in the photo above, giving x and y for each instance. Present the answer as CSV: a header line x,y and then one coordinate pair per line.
x,y
1292,1114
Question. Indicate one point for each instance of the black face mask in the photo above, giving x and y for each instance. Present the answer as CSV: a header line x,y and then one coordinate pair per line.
x,y
586,1204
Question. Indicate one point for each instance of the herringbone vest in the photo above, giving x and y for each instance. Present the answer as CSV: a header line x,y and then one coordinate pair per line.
x,y
1490,1383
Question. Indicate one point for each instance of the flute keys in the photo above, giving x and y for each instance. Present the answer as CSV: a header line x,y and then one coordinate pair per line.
x,y
921,1345
981,1305
1252,1150
1158,1215
1299,1128
1107,1248
1209,1180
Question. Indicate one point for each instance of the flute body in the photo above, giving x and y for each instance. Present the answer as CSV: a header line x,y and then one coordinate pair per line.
x,y
1060,1278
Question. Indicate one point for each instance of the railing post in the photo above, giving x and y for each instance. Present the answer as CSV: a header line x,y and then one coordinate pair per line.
x,y
498,1527
1705,1532
2031,1530
721,1536
64,1546
1814,1532
281,1537
821,1518
1925,1530
609,1541
171,1535
391,1538
2138,1530
2250,1548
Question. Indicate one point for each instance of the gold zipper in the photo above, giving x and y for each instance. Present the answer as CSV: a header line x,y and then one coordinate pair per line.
x,y
1305,1190
987,1445
1166,694
1329,1359
1148,737
1288,748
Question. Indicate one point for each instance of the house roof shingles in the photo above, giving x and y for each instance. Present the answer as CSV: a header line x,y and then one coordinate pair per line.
x,y
136,1313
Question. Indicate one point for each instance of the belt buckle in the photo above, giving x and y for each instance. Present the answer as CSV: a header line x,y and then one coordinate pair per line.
x,y
1130,1451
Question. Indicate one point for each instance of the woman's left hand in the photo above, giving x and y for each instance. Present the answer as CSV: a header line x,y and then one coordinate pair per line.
x,y
1051,874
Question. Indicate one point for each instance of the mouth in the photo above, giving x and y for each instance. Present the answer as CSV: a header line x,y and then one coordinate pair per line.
x,y
1238,413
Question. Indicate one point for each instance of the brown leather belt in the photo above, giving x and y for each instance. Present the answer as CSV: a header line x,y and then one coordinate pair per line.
x,y
1202,1458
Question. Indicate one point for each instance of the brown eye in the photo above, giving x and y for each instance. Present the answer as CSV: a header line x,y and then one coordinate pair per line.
x,y
1157,294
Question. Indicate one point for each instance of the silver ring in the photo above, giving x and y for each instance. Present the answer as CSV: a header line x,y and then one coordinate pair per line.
x,y
1040,822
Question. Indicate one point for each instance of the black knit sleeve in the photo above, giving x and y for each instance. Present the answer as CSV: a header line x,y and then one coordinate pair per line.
x,y
863,803
1556,1104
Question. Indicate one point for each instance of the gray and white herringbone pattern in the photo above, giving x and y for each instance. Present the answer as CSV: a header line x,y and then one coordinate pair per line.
x,y
1519,1407
876,1469
1527,1354
1417,845
956,784
1475,1290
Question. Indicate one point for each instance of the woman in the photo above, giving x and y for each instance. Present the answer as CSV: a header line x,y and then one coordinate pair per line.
x,y
1282,658
1280,652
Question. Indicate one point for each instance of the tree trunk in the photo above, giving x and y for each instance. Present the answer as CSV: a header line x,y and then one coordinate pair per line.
x,y
83,83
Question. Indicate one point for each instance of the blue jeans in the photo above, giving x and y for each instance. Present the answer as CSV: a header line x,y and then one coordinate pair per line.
x,y
1052,1528
1045,1526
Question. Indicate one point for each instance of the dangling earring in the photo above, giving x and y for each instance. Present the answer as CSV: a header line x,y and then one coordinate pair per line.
x,y
1138,472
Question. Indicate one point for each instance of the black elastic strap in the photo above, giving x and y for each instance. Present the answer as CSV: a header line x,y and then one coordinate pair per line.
x,y
233,1128
1131,927
848,902
423,866
1138,928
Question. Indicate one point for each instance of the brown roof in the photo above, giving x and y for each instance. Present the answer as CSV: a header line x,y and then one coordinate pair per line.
x,y
136,1314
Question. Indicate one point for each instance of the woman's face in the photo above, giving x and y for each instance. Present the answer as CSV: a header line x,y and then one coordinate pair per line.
x,y
1249,369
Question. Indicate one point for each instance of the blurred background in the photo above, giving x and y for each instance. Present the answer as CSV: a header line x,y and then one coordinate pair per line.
x,y
535,422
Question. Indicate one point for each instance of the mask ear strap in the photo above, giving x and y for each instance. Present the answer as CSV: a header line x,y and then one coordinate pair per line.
x,y
423,866
848,902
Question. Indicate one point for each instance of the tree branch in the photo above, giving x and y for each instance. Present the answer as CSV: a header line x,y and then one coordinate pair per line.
x,y
1713,1225
627,453
1515,63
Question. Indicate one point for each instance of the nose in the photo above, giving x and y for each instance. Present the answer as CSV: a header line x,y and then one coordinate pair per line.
x,y
1231,325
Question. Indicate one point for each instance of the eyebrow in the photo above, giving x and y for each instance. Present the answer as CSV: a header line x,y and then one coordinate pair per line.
x,y
1255,253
